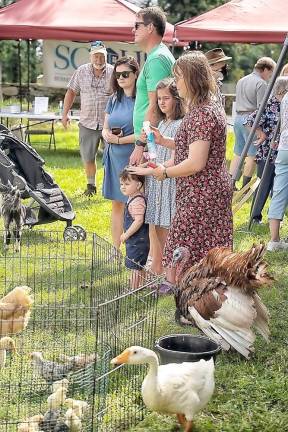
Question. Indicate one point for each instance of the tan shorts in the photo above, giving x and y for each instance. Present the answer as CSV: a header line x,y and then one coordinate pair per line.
x,y
89,140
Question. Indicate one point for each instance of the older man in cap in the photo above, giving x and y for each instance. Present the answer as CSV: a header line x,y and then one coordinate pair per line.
x,y
92,82
218,62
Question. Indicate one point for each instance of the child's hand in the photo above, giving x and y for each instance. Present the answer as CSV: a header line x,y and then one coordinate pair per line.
x,y
123,238
157,135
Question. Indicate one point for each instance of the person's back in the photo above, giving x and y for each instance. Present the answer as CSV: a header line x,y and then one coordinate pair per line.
x,y
250,91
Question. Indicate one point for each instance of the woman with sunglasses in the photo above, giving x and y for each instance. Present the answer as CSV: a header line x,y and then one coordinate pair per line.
x,y
118,133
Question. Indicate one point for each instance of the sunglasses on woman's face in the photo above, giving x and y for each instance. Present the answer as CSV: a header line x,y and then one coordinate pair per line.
x,y
124,74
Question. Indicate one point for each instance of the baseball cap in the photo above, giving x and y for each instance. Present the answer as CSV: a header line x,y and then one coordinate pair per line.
x,y
98,47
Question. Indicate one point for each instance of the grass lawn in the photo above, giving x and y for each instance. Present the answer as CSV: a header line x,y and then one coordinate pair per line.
x,y
250,395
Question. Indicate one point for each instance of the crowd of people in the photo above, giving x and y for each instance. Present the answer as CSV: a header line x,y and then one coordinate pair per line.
x,y
183,196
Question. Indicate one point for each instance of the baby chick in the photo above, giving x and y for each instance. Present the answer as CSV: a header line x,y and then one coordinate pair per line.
x,y
79,361
57,399
72,421
49,370
50,420
6,344
31,424
78,406
61,427
64,383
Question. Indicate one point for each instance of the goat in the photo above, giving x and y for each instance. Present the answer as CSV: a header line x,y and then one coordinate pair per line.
x,y
13,213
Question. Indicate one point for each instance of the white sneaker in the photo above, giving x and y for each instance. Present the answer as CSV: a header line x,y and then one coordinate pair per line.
x,y
277,245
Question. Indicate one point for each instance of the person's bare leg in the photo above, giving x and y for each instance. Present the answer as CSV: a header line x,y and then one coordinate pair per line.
x,y
234,165
170,275
162,234
249,166
117,222
274,225
90,170
155,251
137,279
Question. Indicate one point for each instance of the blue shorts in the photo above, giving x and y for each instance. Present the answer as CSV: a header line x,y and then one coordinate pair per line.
x,y
241,135
279,201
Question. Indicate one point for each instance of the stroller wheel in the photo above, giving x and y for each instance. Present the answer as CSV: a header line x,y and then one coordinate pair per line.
x,y
70,234
81,232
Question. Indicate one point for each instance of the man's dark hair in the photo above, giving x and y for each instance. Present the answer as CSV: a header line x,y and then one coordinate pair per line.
x,y
154,15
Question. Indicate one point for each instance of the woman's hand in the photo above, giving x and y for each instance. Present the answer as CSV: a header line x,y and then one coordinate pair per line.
x,y
111,138
140,170
158,172
261,137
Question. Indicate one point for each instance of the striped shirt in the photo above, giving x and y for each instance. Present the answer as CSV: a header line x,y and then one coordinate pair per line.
x,y
94,93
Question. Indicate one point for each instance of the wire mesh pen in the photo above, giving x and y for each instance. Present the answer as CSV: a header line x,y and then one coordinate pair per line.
x,y
83,313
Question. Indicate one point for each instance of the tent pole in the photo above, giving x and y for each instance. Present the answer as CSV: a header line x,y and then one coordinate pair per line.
x,y
28,72
261,108
20,72
265,171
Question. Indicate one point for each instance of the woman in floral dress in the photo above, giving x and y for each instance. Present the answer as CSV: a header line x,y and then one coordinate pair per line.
x,y
203,218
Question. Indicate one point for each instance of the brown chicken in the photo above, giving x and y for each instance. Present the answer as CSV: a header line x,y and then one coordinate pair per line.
x,y
15,311
219,295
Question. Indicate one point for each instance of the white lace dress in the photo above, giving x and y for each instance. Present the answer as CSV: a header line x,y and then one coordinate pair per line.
x,y
160,195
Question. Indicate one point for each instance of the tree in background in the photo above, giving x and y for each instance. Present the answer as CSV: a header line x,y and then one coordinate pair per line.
x,y
9,57
244,56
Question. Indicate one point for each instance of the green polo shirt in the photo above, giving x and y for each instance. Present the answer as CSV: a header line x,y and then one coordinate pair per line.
x,y
158,66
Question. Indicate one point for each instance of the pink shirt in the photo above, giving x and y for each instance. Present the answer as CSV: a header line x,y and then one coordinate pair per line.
x,y
137,207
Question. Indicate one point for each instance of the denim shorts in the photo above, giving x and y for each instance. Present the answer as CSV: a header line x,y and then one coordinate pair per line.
x,y
279,200
241,135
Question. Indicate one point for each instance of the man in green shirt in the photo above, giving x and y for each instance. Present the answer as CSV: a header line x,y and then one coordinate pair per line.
x,y
149,30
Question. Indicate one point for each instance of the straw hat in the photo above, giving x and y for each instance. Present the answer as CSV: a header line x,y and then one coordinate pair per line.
x,y
216,55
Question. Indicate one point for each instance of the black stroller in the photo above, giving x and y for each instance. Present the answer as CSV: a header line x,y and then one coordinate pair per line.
x,y
23,167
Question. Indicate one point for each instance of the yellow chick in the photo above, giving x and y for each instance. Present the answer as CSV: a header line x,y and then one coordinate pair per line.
x,y
78,406
6,344
72,421
15,311
57,399
64,383
31,424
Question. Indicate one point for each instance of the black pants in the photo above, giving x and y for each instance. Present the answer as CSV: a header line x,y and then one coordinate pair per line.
x,y
266,187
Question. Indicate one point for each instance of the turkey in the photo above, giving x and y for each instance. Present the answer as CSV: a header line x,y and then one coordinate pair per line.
x,y
219,295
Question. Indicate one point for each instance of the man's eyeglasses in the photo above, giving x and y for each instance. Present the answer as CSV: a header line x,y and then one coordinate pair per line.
x,y
124,74
138,23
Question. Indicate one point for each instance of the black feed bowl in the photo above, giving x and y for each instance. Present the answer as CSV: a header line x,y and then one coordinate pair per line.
x,y
179,348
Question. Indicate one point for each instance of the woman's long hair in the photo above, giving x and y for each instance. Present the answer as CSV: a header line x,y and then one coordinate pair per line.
x,y
197,74
133,66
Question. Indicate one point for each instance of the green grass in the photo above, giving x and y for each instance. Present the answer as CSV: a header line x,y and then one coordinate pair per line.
x,y
250,395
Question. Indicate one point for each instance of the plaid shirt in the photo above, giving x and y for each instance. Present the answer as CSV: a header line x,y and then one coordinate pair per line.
x,y
94,93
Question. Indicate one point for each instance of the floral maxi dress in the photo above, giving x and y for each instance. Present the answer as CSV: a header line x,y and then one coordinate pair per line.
x,y
203,218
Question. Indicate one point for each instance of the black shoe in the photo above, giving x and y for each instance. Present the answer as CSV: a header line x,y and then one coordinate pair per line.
x,y
257,221
91,190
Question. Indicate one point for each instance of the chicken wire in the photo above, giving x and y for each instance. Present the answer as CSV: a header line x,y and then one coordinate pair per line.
x,y
83,304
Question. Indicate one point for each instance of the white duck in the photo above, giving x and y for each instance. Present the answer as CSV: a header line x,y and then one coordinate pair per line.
x,y
182,389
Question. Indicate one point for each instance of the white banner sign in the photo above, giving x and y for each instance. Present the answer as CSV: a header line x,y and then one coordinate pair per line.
x,y
62,58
